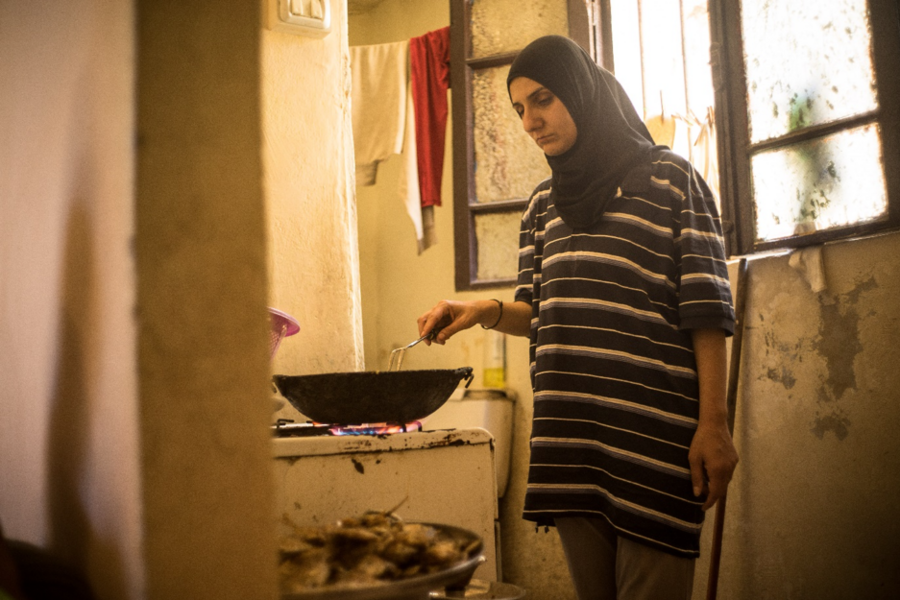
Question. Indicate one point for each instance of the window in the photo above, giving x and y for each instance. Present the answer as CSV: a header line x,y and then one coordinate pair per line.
x,y
788,109
807,106
495,164
664,69
659,51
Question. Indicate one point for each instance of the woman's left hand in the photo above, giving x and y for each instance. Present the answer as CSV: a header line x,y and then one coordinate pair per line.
x,y
713,459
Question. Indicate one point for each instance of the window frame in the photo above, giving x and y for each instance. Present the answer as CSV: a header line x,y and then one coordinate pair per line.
x,y
732,124
590,26
465,208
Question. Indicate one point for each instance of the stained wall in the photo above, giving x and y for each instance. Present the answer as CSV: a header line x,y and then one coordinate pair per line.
x,y
812,509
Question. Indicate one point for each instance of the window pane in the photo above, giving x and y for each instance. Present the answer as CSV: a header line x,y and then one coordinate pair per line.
x,y
500,26
627,51
508,164
663,61
818,185
696,57
805,66
498,245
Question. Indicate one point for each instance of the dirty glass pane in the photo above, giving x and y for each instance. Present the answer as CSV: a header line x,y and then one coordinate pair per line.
x,y
805,67
663,62
499,26
508,164
627,50
695,18
822,184
498,245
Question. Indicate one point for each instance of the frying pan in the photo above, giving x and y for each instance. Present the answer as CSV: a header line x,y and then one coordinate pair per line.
x,y
355,398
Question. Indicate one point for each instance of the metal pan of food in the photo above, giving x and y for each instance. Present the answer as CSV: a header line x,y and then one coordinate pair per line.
x,y
384,561
398,397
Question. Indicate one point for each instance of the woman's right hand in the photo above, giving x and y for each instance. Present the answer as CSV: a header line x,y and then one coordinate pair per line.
x,y
451,316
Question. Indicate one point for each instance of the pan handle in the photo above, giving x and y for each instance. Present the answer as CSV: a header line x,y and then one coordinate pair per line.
x,y
466,373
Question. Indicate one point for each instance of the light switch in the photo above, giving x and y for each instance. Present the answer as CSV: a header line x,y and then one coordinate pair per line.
x,y
304,17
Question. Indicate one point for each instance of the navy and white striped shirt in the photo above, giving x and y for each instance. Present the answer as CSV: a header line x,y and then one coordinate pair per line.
x,y
612,360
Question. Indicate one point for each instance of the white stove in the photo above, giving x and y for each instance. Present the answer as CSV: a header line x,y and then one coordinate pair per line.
x,y
444,476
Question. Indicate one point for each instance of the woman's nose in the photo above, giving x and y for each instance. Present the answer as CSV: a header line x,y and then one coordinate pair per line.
x,y
530,121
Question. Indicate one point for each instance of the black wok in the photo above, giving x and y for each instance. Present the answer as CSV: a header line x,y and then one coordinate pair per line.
x,y
354,398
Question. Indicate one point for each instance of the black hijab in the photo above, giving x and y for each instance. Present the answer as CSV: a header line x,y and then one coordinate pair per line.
x,y
611,139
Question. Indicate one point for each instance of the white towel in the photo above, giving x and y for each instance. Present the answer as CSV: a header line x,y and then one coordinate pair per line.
x,y
808,262
408,186
384,124
378,104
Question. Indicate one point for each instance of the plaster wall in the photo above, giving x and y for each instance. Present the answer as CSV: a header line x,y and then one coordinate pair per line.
x,y
202,291
310,198
812,509
69,445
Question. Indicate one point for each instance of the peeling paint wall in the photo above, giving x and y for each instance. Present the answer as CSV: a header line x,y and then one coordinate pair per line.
x,y
812,509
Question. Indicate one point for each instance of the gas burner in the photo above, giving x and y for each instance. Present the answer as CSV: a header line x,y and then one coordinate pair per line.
x,y
288,428
375,428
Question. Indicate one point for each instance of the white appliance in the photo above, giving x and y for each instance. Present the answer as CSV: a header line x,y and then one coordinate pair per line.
x,y
490,409
445,476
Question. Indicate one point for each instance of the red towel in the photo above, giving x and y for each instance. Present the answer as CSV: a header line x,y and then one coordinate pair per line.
x,y
429,62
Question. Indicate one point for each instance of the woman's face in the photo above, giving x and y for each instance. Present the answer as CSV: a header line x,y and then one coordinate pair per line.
x,y
544,117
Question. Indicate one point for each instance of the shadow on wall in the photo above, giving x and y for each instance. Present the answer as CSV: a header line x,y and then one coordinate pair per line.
x,y
69,434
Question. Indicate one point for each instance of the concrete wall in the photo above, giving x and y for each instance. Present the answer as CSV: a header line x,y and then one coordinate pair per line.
x,y
201,256
149,152
812,510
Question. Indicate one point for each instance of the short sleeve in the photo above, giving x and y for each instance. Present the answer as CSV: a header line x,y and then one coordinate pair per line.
x,y
704,289
525,283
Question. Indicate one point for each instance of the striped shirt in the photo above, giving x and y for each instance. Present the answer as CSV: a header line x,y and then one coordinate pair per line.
x,y
612,361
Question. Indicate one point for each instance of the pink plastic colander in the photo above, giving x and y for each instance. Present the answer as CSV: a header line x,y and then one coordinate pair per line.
x,y
282,326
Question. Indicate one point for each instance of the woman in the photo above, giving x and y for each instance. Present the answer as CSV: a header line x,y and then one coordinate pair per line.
x,y
623,291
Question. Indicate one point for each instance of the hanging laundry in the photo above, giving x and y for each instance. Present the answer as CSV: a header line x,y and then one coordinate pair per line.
x,y
408,187
706,151
378,104
662,129
384,125
430,73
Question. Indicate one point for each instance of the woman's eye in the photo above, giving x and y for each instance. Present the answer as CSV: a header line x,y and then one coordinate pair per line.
x,y
545,101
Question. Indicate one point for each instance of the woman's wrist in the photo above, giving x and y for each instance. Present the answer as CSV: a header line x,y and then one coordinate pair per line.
x,y
492,315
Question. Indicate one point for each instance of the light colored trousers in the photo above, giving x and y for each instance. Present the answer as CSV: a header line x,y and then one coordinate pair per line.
x,y
605,566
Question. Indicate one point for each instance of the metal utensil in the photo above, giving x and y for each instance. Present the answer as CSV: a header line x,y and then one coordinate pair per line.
x,y
399,352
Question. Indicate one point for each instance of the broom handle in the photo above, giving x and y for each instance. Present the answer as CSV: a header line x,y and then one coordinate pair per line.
x,y
731,401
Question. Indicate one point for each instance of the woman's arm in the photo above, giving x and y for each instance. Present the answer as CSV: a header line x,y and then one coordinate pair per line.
x,y
452,316
712,456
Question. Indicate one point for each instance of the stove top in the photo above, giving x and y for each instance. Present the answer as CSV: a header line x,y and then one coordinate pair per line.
x,y
288,428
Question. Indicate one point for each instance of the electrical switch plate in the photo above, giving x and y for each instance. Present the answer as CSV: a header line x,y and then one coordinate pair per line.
x,y
303,17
